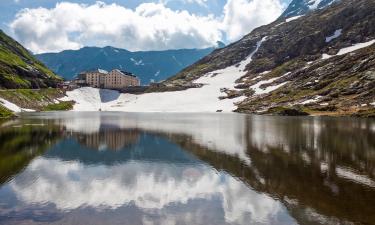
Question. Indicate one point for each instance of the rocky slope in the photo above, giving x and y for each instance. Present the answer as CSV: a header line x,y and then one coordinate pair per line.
x,y
148,65
320,63
19,69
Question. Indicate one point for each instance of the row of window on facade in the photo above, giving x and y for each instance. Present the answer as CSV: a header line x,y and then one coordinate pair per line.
x,y
115,79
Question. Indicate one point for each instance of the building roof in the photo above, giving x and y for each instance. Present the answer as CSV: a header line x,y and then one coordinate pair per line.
x,y
125,73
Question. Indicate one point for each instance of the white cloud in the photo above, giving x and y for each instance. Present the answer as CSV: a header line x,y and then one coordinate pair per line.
x,y
242,16
150,26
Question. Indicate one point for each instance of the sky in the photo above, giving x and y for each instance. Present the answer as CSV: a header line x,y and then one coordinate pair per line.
x,y
136,25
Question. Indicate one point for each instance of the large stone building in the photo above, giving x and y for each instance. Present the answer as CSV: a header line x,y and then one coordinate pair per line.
x,y
116,79
95,78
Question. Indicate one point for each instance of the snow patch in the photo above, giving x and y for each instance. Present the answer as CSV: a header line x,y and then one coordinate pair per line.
x,y
292,18
334,36
259,91
355,47
13,107
313,100
137,63
313,4
326,56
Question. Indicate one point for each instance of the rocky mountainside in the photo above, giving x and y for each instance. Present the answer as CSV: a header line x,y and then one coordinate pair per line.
x,y
19,69
301,7
148,65
320,63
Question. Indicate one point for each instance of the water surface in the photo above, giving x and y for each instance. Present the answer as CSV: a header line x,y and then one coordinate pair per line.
x,y
117,168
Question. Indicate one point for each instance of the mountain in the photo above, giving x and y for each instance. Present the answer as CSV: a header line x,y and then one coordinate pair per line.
x,y
320,63
148,65
19,69
301,7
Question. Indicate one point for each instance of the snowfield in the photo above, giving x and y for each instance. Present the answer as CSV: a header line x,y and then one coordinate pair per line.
x,y
204,99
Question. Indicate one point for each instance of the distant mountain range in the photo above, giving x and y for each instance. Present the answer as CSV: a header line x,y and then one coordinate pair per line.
x,y
301,7
147,65
19,69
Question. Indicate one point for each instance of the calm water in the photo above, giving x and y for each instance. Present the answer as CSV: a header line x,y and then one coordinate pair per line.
x,y
112,168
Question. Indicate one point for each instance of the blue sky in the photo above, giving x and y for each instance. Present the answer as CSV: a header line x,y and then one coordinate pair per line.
x,y
55,25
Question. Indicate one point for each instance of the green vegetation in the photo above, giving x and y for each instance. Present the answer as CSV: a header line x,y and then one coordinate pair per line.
x,y
19,69
4,112
62,106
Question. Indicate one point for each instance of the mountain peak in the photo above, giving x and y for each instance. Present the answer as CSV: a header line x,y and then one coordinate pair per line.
x,y
301,7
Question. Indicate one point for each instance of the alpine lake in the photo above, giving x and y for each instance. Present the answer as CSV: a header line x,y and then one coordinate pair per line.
x,y
162,168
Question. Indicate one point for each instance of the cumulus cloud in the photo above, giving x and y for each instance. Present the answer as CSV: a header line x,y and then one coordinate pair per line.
x,y
242,16
150,26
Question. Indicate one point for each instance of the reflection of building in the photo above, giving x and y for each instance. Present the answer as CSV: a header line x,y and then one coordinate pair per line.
x,y
109,139
116,79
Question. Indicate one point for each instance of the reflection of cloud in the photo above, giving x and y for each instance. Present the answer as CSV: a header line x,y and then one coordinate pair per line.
x,y
70,185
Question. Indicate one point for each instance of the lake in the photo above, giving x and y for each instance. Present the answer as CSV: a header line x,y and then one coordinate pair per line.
x,y
129,168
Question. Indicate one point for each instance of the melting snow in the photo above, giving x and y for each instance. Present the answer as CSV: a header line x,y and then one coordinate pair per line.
x,y
313,100
259,91
13,107
355,47
292,18
204,99
334,36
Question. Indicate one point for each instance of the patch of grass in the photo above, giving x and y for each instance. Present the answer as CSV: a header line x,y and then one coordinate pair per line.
x,y
62,106
5,113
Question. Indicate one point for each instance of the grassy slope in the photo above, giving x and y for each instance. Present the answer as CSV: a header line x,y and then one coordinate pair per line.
x,y
19,69
40,100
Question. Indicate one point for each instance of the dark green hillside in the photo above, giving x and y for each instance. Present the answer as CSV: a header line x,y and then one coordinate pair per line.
x,y
19,69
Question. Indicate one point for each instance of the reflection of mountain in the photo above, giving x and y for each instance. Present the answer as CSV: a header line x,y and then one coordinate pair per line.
x,y
19,144
322,169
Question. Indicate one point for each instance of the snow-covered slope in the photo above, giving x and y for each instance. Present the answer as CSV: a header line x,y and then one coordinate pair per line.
x,y
204,99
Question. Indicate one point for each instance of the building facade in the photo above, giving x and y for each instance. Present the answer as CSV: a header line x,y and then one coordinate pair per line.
x,y
95,78
116,79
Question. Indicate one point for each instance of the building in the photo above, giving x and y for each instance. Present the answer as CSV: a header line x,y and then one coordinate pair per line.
x,y
95,78
116,79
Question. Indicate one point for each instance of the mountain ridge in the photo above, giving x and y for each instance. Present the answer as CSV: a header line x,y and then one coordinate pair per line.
x,y
148,65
